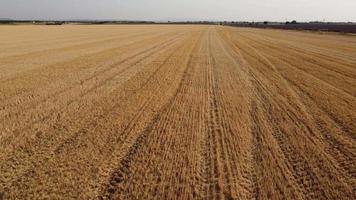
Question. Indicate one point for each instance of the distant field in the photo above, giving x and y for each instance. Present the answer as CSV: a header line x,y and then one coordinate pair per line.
x,y
332,27
176,112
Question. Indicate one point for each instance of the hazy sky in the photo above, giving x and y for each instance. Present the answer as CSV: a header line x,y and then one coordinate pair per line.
x,y
257,10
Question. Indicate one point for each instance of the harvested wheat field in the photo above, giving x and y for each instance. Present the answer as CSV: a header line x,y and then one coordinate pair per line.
x,y
176,112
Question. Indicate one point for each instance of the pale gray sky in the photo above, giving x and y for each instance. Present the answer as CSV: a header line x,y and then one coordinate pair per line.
x,y
238,10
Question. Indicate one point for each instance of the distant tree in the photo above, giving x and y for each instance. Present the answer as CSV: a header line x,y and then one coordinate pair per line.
x,y
294,22
265,22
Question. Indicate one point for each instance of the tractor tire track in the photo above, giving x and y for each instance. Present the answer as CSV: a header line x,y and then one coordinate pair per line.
x,y
140,143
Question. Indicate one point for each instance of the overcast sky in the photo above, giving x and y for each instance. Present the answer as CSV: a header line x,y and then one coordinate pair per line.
x,y
237,10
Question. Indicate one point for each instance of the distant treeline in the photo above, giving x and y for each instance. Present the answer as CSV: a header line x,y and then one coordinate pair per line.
x,y
99,22
71,22
294,25
290,25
